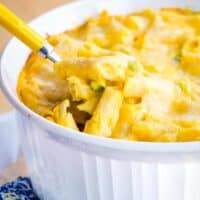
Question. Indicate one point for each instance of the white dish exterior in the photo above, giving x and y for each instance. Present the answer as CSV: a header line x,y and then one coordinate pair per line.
x,y
10,142
65,164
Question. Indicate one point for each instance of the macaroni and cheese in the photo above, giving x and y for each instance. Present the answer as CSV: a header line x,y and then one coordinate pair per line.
x,y
134,77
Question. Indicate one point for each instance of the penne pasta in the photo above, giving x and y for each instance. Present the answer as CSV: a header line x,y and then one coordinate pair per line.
x,y
106,114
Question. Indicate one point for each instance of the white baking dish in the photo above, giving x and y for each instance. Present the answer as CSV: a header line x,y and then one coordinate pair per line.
x,y
65,164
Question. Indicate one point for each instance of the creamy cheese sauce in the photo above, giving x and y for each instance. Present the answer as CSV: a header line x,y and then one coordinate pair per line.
x,y
133,77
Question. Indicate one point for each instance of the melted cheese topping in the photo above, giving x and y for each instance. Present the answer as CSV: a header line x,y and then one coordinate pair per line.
x,y
134,77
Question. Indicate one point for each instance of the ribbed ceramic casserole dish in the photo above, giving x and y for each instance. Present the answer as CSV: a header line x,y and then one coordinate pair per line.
x,y
65,164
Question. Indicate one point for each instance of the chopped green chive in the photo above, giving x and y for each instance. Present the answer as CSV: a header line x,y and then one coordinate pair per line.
x,y
97,87
133,68
178,58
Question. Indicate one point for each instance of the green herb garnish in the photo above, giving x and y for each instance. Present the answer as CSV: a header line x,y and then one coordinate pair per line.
x,y
97,87
135,67
178,58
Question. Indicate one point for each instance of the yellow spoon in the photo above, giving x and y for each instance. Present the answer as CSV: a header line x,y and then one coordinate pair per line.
x,y
26,34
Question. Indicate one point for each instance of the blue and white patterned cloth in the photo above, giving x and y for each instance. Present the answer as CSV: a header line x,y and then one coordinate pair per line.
x,y
20,189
